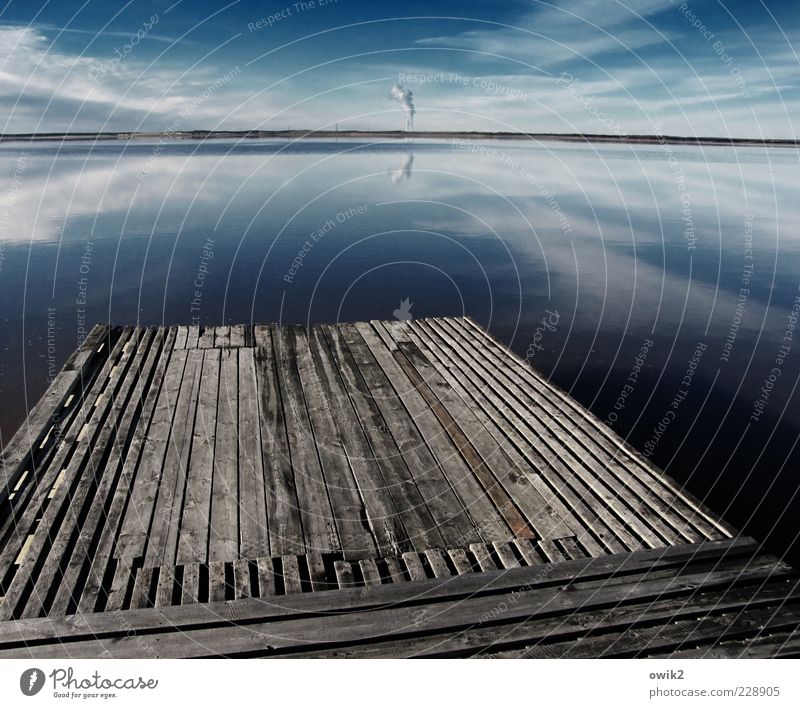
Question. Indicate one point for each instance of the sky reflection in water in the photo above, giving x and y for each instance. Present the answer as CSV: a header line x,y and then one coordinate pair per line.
x,y
575,256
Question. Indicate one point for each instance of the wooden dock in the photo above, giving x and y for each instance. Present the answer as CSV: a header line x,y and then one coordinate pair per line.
x,y
266,479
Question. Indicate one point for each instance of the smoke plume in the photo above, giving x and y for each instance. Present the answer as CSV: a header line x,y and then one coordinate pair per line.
x,y
406,100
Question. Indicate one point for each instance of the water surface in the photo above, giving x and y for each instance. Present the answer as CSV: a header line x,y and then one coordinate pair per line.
x,y
658,286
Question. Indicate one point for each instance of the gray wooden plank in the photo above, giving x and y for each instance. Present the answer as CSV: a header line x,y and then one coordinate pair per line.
x,y
291,574
395,570
460,560
640,641
571,548
241,578
509,466
370,572
506,555
166,585
552,552
141,588
181,335
414,566
344,574
138,517
27,506
316,571
487,639
266,577
14,457
190,585
773,646
527,551
444,616
223,544
238,335
192,337
194,526
253,523
285,528
437,562
447,444
490,495
216,581
124,577
205,339
482,555
222,337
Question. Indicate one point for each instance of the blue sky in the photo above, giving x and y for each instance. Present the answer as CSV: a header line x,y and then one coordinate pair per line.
x,y
702,68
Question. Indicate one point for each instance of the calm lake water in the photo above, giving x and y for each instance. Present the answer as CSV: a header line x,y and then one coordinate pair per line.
x,y
658,287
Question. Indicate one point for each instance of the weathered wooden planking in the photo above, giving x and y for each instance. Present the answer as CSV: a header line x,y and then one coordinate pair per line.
x,y
576,495
605,502
377,506
684,504
286,530
389,616
253,522
110,500
485,497
548,516
242,579
737,553
181,337
162,541
239,335
73,542
70,493
355,537
20,451
425,499
317,516
363,441
438,562
222,337
506,472
27,505
416,515
370,572
223,541
528,637
194,526
192,337
640,510
205,338
132,539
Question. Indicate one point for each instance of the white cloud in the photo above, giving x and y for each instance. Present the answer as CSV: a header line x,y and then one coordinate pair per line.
x,y
49,90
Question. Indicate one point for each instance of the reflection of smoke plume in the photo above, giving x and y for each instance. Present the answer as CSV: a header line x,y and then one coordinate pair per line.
x,y
406,99
404,170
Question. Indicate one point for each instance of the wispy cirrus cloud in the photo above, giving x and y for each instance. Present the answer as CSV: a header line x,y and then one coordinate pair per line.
x,y
46,89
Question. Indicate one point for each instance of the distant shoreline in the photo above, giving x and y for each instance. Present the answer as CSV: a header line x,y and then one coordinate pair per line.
x,y
398,135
